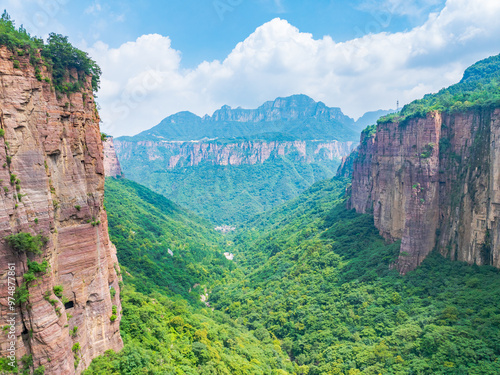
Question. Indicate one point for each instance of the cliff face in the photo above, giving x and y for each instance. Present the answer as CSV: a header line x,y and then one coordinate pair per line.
x,y
434,182
112,166
53,184
176,154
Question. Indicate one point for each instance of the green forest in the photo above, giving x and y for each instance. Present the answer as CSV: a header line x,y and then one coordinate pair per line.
x,y
310,291
230,194
312,288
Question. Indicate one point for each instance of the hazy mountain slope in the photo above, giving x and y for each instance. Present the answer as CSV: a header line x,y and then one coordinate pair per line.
x,y
370,118
297,115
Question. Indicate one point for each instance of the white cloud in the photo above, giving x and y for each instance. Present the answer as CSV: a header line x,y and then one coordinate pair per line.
x,y
143,81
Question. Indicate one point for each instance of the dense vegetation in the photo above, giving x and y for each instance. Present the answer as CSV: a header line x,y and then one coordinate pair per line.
x,y
167,336
145,226
479,88
318,277
311,292
163,333
58,56
232,194
229,194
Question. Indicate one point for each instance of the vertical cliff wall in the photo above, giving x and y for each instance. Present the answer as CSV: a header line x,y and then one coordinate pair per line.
x,y
52,184
183,154
434,182
112,166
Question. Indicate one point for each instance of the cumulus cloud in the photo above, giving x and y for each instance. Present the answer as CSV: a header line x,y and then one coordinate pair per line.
x,y
144,81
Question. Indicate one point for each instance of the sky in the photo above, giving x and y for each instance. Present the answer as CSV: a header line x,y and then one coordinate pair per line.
x,y
162,57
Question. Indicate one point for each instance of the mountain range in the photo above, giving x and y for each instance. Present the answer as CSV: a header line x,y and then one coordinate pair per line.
x,y
297,116
240,162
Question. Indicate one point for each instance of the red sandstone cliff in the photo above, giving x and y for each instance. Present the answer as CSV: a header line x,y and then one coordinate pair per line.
x,y
434,182
112,166
52,145
176,154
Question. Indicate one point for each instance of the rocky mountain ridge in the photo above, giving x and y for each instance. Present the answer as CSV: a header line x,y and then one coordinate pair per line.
x,y
295,116
295,107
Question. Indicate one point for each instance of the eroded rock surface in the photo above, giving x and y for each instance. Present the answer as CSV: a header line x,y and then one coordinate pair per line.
x,y
112,166
434,182
53,152
175,154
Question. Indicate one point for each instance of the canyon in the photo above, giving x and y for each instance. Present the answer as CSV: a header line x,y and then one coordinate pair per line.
x,y
53,188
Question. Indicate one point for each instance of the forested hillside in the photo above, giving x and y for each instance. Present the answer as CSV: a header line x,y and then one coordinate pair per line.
x,y
240,162
311,291
319,278
226,194
166,329
145,226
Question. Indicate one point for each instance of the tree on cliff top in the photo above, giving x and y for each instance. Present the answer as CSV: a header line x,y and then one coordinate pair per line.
x,y
479,88
57,54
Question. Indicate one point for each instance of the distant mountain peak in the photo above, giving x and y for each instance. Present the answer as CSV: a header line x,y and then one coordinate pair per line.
x,y
294,107
298,116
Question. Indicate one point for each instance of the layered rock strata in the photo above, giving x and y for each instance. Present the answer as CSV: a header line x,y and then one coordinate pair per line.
x,y
52,184
434,182
175,154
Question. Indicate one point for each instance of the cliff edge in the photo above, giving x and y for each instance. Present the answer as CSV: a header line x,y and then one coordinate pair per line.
x,y
431,178
58,257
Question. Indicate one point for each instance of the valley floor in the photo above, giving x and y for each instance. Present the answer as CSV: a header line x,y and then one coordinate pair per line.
x,y
310,291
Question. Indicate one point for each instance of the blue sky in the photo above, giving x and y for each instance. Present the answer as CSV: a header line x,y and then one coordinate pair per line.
x,y
209,29
161,57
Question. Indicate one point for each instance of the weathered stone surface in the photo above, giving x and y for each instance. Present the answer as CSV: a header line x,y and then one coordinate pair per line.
x,y
176,154
434,182
112,166
52,145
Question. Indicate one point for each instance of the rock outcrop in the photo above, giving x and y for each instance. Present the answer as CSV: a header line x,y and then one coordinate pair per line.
x,y
52,184
112,166
183,154
434,182
295,107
